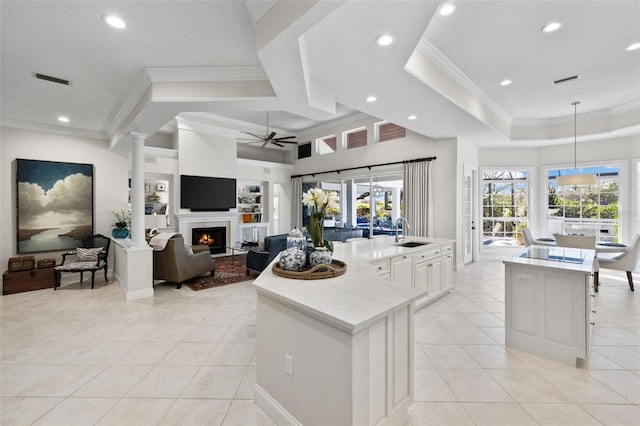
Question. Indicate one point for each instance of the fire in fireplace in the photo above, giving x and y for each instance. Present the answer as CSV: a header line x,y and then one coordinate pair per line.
x,y
215,238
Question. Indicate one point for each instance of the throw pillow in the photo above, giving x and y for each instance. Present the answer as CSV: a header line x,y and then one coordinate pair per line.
x,y
87,254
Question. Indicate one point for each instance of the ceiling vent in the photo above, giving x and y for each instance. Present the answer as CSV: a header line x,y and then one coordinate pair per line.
x,y
51,79
565,80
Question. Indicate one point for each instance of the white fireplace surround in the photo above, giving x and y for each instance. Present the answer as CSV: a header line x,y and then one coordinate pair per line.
x,y
187,221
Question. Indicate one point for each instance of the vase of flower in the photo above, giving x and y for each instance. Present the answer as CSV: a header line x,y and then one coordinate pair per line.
x,y
320,256
120,232
121,227
319,202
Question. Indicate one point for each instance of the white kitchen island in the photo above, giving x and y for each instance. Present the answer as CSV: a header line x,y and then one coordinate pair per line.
x,y
548,293
339,351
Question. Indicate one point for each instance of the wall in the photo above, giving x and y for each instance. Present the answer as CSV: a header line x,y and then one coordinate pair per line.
x,y
110,180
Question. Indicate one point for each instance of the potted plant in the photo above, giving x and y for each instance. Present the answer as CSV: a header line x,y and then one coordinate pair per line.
x,y
121,226
318,202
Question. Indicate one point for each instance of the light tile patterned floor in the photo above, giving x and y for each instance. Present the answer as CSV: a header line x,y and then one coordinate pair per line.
x,y
77,356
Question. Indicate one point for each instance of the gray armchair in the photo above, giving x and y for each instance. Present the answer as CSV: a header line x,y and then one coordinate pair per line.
x,y
175,264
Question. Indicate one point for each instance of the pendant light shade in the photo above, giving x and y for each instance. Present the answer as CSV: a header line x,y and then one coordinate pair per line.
x,y
576,179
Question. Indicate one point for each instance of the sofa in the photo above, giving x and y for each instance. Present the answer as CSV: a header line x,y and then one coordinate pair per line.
x,y
176,264
341,234
257,259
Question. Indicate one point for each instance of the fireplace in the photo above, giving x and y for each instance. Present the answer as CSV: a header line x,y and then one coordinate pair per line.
x,y
214,237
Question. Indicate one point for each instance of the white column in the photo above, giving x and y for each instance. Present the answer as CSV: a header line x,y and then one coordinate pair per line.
x,y
137,189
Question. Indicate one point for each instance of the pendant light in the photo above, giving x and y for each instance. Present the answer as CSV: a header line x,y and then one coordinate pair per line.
x,y
576,179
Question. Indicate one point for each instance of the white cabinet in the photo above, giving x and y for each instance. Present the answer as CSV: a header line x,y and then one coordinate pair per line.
x,y
381,269
402,270
430,269
548,312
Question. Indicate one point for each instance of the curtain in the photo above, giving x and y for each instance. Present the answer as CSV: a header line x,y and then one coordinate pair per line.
x,y
296,202
418,198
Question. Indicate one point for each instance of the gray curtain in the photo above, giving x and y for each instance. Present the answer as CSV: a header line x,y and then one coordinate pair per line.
x,y
296,202
418,205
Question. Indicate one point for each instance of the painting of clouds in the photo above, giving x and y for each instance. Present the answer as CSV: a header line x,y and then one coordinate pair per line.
x,y
55,205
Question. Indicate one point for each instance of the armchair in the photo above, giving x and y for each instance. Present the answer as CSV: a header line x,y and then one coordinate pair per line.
x,y
175,264
257,260
90,256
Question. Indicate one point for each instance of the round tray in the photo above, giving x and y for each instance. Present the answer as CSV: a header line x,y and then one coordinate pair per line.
x,y
317,272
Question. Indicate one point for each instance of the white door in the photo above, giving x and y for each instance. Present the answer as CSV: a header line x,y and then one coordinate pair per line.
x,y
468,224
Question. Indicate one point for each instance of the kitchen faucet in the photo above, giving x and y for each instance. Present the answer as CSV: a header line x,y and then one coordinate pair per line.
x,y
397,222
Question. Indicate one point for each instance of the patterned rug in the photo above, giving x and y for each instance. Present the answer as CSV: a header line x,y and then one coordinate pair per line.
x,y
229,270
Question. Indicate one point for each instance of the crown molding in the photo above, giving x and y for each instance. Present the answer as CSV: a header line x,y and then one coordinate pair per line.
x,y
51,128
430,51
137,93
260,163
581,117
204,74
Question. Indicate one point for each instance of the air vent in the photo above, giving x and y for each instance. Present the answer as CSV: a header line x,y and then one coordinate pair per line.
x,y
566,79
51,79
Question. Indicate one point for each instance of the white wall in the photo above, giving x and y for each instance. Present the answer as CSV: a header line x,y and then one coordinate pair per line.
x,y
110,179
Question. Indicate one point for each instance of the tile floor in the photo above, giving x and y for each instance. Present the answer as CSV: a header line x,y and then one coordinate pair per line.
x,y
82,357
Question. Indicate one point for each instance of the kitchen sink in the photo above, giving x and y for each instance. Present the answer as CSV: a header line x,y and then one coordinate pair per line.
x,y
411,244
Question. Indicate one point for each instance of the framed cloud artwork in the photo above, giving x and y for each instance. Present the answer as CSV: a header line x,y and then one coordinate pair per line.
x,y
54,203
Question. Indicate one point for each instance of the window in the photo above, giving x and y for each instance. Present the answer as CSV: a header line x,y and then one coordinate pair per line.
x,y
585,207
390,131
505,195
356,138
327,144
304,150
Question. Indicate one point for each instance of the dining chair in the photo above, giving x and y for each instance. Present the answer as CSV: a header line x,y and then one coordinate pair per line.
x,y
623,262
576,241
527,237
581,242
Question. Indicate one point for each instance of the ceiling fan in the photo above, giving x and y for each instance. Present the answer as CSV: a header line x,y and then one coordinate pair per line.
x,y
269,138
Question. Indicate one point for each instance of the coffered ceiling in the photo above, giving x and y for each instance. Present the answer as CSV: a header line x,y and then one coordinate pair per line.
x,y
310,62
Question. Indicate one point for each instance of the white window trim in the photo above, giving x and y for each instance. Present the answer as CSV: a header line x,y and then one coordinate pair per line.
x,y
624,228
488,252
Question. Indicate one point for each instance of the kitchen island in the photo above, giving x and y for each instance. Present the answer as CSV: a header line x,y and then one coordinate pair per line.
x,y
548,295
339,351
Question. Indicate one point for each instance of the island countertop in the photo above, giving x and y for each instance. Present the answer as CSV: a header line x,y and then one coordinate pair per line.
x,y
357,298
552,258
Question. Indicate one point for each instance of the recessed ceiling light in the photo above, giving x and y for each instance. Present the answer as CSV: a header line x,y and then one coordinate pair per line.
x,y
634,46
114,21
447,9
63,119
505,82
384,40
371,98
551,27
412,117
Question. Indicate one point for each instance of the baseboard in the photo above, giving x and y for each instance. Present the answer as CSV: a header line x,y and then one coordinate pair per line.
x,y
271,408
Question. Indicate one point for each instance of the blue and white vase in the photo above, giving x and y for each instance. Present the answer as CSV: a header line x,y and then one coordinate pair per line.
x,y
320,256
292,259
296,239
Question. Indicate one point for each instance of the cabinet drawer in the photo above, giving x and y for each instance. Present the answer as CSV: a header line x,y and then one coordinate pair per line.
x,y
447,249
381,267
427,255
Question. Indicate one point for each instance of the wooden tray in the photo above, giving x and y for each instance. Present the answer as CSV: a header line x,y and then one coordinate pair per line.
x,y
317,272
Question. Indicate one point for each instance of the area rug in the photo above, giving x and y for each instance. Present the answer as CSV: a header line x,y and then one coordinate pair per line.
x,y
229,270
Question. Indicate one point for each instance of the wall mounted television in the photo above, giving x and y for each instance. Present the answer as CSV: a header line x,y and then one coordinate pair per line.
x,y
203,193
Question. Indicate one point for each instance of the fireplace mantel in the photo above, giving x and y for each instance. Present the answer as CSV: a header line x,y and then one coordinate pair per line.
x,y
229,219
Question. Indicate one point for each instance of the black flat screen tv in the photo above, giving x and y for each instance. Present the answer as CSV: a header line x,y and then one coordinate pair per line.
x,y
202,193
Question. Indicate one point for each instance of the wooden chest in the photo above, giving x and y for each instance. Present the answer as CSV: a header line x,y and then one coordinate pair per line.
x,y
19,281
